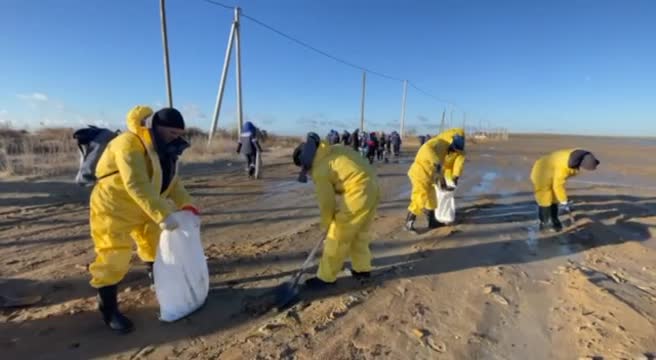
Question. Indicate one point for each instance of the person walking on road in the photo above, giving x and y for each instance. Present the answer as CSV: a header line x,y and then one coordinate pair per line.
x,y
138,193
346,138
382,142
249,146
395,140
549,175
348,194
355,140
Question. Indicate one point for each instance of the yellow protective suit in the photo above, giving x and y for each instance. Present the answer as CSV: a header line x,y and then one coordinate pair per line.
x,y
348,195
128,206
422,171
454,163
549,175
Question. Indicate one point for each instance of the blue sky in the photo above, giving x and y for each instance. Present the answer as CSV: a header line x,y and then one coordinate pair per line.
x,y
571,66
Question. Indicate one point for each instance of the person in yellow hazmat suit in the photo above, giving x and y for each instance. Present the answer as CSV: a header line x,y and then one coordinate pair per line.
x,y
454,164
137,193
429,168
549,175
348,194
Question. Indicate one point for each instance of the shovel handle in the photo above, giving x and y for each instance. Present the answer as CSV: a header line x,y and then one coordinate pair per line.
x,y
309,259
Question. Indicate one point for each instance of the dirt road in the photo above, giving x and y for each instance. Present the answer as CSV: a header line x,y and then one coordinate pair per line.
x,y
488,287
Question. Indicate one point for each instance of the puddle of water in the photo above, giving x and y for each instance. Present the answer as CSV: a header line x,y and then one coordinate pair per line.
x,y
500,208
486,185
405,193
490,176
503,214
613,184
532,239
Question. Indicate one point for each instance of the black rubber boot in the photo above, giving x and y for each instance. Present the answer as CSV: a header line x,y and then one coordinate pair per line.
x,y
432,221
149,270
364,275
555,222
410,222
108,306
544,215
317,284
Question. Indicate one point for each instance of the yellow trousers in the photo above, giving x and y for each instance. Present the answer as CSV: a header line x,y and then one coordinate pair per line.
x,y
113,242
347,238
544,195
423,197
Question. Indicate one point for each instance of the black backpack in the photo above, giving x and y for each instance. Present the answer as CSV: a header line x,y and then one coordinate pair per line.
x,y
91,141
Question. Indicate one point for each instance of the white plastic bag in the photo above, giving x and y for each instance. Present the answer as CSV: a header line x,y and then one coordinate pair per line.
x,y
258,165
446,206
180,270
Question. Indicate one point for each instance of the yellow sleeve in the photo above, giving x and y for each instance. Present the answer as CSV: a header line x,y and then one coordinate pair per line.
x,y
559,181
458,165
325,197
433,155
131,165
179,194
448,173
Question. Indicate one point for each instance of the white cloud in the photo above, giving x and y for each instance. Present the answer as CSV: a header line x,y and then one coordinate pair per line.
x,y
5,122
37,96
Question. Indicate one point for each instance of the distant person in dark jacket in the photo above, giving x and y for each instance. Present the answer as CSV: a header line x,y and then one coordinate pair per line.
x,y
382,141
355,140
249,146
372,147
395,140
333,137
346,138
422,139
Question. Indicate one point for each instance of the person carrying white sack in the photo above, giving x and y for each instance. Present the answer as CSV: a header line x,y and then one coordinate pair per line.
x,y
137,195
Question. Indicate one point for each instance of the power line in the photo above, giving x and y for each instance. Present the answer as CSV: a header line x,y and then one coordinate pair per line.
x,y
310,47
219,4
431,95
306,45
330,56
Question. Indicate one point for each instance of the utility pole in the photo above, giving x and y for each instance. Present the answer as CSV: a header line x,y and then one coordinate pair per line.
x,y
224,76
240,111
165,46
405,95
364,87
442,122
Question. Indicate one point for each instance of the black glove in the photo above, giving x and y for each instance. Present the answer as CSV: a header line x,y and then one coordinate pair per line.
x,y
455,180
441,183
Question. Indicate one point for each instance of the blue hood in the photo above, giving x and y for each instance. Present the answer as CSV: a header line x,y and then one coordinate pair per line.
x,y
248,128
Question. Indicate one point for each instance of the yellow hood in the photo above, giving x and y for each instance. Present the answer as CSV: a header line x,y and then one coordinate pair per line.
x,y
135,123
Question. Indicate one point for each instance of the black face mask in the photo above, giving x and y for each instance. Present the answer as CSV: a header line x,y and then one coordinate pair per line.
x,y
176,147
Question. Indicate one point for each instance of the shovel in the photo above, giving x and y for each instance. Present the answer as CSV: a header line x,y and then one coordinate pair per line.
x,y
287,293
570,214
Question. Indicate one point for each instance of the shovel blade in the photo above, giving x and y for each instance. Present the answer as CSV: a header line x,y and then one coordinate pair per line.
x,y
286,295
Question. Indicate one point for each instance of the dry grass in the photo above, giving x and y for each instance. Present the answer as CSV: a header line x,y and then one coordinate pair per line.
x,y
225,142
54,152
47,152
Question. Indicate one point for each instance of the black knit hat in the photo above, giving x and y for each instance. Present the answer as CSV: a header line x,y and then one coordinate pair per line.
x,y
169,117
589,162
